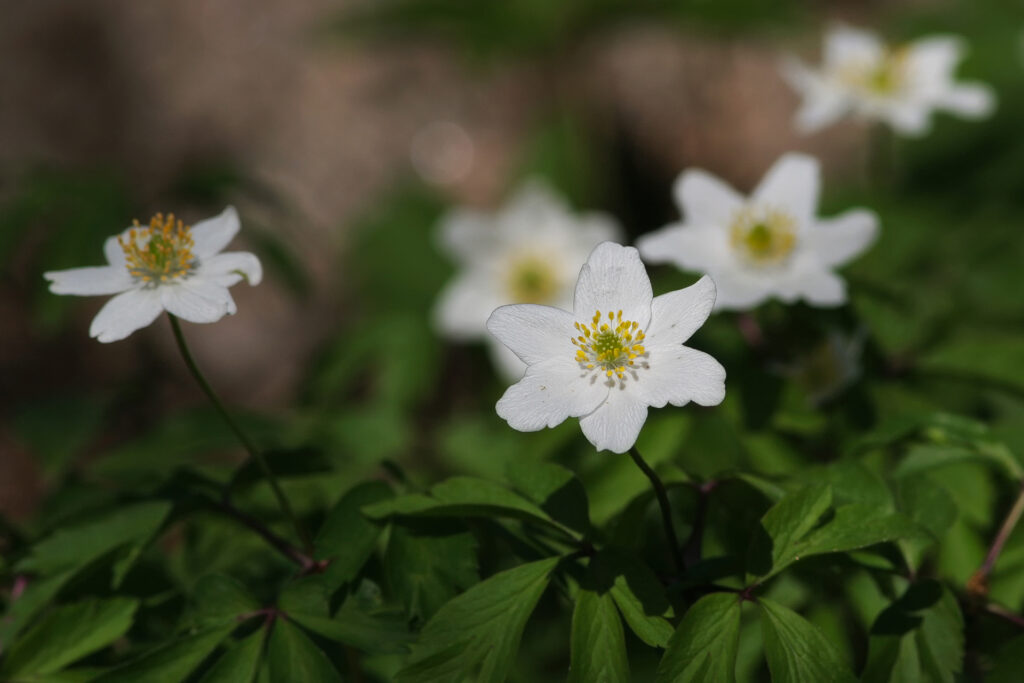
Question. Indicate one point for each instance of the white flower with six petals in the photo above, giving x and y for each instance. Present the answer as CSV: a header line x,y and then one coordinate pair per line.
x,y
768,245
619,352
165,266
528,252
900,86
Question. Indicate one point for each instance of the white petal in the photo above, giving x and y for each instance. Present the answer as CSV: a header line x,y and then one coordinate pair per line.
x,y
549,393
230,268
823,288
678,375
594,228
213,234
675,316
113,251
931,61
970,100
90,281
508,364
845,44
792,184
617,422
614,279
705,200
197,301
910,118
534,333
696,248
463,307
837,240
738,293
465,235
125,313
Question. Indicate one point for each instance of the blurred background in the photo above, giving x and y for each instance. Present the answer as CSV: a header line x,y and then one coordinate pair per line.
x,y
343,129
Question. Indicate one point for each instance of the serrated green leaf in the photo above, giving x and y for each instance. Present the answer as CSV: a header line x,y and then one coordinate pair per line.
x,y
38,593
704,646
306,595
362,627
857,526
293,658
598,644
784,526
555,489
640,597
218,599
67,634
240,663
924,457
429,562
347,538
919,635
479,631
171,662
797,651
930,506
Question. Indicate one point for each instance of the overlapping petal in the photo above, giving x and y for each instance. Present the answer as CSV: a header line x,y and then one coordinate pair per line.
x,y
550,392
232,267
704,199
675,316
614,279
792,184
126,313
679,374
615,425
197,301
210,236
533,332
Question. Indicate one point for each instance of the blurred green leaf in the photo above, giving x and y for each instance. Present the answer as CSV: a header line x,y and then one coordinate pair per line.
x,y
293,658
240,663
598,644
219,599
79,418
171,662
347,538
703,648
797,651
784,526
479,631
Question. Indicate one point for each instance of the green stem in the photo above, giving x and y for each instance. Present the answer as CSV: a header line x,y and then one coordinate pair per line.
x,y
254,452
978,583
666,510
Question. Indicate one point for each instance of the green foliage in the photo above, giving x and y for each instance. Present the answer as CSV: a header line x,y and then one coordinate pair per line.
x,y
797,651
703,647
598,643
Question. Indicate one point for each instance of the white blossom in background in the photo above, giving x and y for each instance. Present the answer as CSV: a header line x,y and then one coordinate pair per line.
x,y
771,244
619,351
165,266
898,85
529,251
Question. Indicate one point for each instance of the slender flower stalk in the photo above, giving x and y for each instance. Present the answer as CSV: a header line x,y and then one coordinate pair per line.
x,y
666,510
978,583
254,452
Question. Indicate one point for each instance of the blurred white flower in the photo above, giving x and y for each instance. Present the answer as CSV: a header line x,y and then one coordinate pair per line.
x,y
530,251
619,351
768,245
899,85
165,266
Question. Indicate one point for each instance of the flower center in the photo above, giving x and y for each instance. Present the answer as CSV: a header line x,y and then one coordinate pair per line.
x,y
532,280
883,77
611,346
160,252
763,237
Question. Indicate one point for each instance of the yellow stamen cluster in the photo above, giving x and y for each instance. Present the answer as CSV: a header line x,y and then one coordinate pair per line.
x,y
531,279
763,237
611,345
886,76
159,252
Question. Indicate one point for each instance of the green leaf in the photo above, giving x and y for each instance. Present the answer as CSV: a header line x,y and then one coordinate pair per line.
x,y
918,637
171,662
924,457
74,547
857,526
704,646
67,634
479,631
362,623
640,597
466,496
293,658
785,525
219,599
598,645
1009,662
34,598
428,563
240,663
797,651
347,538
556,489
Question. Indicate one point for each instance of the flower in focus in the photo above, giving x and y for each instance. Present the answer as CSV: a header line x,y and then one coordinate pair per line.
x,y
164,266
619,351
768,245
898,85
528,252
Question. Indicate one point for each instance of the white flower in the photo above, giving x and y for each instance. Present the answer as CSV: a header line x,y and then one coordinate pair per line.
x,y
165,266
899,85
528,252
619,351
768,245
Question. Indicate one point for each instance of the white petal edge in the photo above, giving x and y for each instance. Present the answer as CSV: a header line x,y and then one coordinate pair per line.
x,y
679,375
463,307
615,425
969,100
845,44
823,289
614,279
548,394
90,281
705,199
465,235
213,234
507,364
835,241
533,332
126,313
697,248
792,184
197,301
675,316
735,293
113,251
232,267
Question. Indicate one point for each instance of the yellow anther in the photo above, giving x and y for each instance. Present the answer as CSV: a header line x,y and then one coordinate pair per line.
x,y
609,345
161,251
